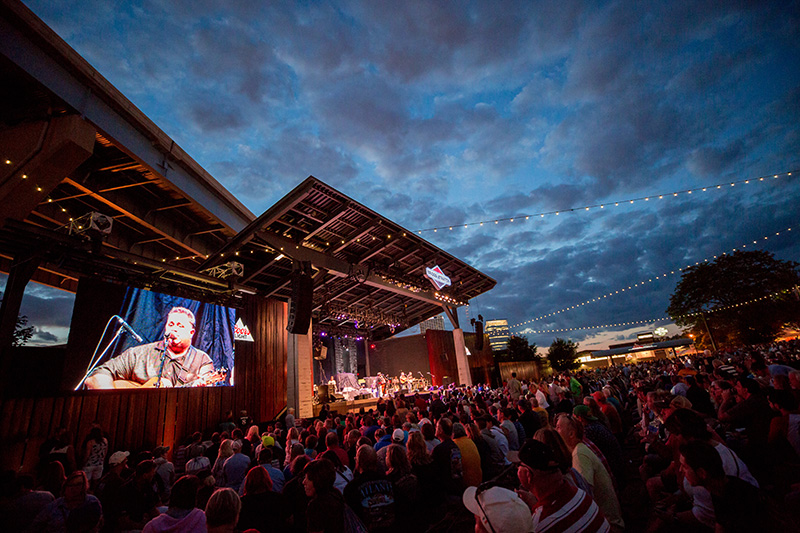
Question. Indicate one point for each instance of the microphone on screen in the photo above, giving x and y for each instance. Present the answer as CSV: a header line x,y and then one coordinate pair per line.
x,y
128,328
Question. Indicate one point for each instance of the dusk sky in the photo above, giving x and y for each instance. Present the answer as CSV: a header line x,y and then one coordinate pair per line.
x,y
439,114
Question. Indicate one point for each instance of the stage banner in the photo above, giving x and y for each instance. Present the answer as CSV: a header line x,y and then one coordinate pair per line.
x,y
241,332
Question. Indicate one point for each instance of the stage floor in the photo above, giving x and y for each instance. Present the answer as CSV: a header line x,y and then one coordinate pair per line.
x,y
355,406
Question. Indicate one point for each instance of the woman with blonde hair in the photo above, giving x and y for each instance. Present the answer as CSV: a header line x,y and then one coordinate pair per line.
x,y
222,511
292,437
225,451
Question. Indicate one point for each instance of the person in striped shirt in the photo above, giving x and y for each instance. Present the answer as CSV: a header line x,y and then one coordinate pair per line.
x,y
556,505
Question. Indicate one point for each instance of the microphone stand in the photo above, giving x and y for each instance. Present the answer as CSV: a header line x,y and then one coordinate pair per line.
x,y
163,360
94,362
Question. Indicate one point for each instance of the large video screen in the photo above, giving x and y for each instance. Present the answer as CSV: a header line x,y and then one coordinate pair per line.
x,y
158,340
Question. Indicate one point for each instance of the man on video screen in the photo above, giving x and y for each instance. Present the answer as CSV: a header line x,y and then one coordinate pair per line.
x,y
173,358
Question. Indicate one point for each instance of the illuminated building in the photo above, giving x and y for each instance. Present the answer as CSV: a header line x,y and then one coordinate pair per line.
x,y
498,334
436,322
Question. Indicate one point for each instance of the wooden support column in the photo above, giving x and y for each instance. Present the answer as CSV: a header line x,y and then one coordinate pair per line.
x,y
22,269
300,374
462,364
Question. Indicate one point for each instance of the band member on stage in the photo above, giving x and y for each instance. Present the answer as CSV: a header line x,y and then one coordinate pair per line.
x,y
380,385
173,358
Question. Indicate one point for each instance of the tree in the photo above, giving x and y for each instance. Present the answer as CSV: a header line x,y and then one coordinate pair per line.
x,y
562,354
22,334
744,297
519,350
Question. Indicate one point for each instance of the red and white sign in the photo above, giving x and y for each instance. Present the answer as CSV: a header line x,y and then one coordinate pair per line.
x,y
437,277
241,332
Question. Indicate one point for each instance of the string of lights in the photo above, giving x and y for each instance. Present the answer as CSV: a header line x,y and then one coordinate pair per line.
x,y
649,280
660,196
529,331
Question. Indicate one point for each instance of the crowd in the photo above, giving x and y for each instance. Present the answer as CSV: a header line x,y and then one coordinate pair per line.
x,y
716,439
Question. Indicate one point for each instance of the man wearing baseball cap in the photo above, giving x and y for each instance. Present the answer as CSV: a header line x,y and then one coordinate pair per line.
x,y
497,510
558,506
110,485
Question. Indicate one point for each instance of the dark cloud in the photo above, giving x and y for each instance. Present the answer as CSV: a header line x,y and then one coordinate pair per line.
x,y
41,336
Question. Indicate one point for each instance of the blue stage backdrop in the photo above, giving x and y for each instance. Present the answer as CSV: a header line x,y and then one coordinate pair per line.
x,y
147,311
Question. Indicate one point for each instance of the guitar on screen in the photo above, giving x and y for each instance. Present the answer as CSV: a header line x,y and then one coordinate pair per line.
x,y
207,380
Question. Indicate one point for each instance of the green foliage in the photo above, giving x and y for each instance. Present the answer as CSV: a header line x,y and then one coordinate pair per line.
x,y
734,279
22,332
519,350
562,354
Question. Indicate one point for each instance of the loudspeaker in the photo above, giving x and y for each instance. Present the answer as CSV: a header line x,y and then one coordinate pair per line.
x,y
300,303
479,335
322,394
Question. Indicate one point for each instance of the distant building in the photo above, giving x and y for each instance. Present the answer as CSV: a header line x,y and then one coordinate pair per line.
x,y
436,322
498,334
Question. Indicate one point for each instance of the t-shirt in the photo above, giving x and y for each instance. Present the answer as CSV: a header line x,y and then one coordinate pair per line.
x,y
531,422
470,461
593,471
568,509
267,511
741,508
447,461
234,470
541,397
276,476
325,513
138,499
702,504
371,496
194,520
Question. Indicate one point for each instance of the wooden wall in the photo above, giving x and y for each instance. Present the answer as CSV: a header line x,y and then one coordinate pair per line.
x,y
442,358
524,369
142,419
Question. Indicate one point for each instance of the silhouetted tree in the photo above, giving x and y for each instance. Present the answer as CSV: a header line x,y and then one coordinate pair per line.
x,y
562,354
520,350
745,297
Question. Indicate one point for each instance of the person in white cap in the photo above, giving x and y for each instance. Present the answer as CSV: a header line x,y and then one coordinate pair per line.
x,y
497,510
399,438
109,488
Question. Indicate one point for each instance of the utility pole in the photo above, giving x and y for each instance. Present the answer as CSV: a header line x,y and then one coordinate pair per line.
x,y
710,336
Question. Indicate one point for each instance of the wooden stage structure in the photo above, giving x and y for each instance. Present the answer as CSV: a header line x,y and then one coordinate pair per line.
x,y
74,148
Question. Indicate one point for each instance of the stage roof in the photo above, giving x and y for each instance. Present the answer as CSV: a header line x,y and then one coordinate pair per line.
x,y
175,228
366,267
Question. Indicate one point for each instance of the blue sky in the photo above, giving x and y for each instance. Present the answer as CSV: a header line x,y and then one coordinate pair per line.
x,y
443,113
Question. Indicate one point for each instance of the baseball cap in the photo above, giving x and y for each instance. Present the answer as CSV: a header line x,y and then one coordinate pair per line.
x,y
266,440
117,458
159,450
535,455
583,411
398,435
503,510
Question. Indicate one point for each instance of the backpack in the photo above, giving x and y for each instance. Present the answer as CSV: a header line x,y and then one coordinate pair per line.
x,y
352,523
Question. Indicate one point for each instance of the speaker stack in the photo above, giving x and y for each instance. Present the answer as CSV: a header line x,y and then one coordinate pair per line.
x,y
301,303
479,335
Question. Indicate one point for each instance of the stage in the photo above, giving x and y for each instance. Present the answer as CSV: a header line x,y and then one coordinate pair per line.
x,y
345,407
355,406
